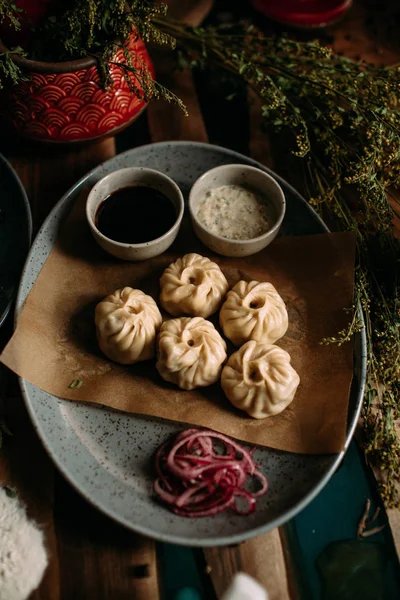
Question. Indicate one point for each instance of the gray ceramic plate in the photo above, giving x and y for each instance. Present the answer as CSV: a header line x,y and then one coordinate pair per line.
x,y
15,234
107,456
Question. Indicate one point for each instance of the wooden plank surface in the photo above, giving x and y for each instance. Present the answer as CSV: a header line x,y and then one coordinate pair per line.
x,y
167,121
90,556
261,557
99,559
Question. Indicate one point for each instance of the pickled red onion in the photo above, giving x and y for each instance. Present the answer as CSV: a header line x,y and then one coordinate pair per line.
x,y
197,481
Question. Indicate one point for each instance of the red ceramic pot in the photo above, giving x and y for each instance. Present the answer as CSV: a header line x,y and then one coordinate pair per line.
x,y
65,102
307,14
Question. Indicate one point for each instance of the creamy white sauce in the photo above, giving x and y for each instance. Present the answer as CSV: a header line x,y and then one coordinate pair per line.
x,y
235,212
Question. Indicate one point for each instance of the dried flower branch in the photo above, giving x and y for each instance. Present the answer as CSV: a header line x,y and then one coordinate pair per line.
x,y
94,28
366,521
341,120
9,11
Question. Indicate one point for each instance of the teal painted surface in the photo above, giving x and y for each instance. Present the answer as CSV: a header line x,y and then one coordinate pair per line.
x,y
333,516
188,594
180,574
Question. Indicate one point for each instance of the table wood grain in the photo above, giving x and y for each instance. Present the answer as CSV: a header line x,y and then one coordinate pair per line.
x,y
90,557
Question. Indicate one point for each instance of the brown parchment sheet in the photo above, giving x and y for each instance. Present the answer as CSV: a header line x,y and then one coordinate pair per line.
x,y
55,340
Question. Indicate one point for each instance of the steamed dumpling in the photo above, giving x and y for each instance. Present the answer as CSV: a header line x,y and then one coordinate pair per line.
x,y
253,311
127,323
190,352
193,285
259,379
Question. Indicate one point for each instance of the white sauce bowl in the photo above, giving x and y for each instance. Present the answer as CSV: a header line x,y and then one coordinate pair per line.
x,y
133,176
242,175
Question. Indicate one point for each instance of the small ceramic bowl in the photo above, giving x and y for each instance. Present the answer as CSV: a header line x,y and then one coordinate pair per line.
x,y
242,175
134,176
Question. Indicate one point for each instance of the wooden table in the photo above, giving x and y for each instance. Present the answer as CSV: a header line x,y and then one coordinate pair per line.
x,y
90,556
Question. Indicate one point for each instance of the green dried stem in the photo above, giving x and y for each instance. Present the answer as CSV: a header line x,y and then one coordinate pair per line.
x,y
10,12
97,28
341,120
9,71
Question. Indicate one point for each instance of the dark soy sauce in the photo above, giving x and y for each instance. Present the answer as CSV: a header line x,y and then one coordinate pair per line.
x,y
135,214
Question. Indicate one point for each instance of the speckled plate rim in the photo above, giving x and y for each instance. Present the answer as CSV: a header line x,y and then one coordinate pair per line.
x,y
28,218
359,350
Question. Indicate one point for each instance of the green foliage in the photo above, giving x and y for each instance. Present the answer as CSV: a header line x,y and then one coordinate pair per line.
x,y
95,27
8,10
341,121
9,71
99,28
80,28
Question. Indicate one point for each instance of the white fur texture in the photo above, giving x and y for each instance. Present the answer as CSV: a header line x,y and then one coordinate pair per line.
x,y
23,558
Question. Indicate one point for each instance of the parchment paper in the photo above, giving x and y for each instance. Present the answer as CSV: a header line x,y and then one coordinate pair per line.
x,y
55,341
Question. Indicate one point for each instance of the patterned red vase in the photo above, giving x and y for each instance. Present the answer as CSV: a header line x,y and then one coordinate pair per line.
x,y
65,102
304,14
